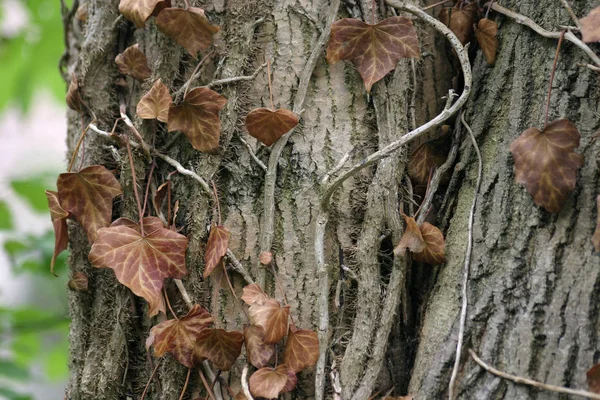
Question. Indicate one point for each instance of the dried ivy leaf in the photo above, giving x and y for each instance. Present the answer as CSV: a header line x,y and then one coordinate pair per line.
x,y
219,346
268,382
301,350
79,282
412,239
216,248
460,20
254,294
155,103
268,126
151,224
133,62
74,100
272,317
596,237
178,337
422,161
291,382
434,252
88,195
58,216
198,118
593,378
258,352
82,12
590,26
189,28
486,32
138,11
141,262
546,163
373,49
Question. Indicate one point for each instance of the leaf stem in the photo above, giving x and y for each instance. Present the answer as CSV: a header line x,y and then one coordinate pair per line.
x,y
77,146
169,303
488,9
560,39
429,7
135,190
233,291
148,187
206,385
216,201
193,76
185,385
150,379
270,87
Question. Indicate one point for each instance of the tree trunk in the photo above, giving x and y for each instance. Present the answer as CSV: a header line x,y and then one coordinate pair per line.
x,y
533,290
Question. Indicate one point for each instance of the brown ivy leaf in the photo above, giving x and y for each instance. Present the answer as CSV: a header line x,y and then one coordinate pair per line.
x,y
268,126
268,382
198,118
434,252
58,216
272,317
596,237
150,224
258,353
141,262
301,350
291,382
486,32
133,62
411,239
373,49
590,26
460,20
189,28
219,346
155,103
253,294
178,337
74,100
425,158
138,11
82,12
216,247
265,258
88,195
79,282
593,378
546,163
240,396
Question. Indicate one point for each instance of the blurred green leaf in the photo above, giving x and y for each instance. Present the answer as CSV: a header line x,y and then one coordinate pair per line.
x,y
11,395
33,254
5,217
11,370
26,348
57,361
33,191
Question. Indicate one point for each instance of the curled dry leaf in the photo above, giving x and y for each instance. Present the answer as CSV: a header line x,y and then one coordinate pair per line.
x,y
178,337
58,216
272,317
88,195
254,294
198,118
258,352
412,239
141,262
486,32
216,248
422,161
268,382
426,242
138,11
460,20
596,237
155,103
268,126
219,346
593,378
189,28
373,49
546,163
82,12
133,62
74,100
79,282
265,258
590,26
301,350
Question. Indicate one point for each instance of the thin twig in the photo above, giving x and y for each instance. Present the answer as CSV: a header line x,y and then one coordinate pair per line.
x,y
245,387
252,154
300,11
169,303
206,385
523,20
560,40
571,13
195,75
136,133
150,379
187,379
439,3
235,79
238,267
590,66
270,87
76,150
524,381
148,184
465,282
135,189
184,293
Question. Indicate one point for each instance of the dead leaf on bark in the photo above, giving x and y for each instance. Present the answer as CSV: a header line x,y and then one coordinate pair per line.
x,y
88,195
58,216
268,382
373,49
219,346
141,262
272,317
486,32
590,26
411,239
460,20
254,294
198,118
268,126
292,381
216,248
546,164
189,28
596,237
258,352
138,11
155,103
79,282
74,100
133,62
425,243
301,350
593,378
178,337
422,161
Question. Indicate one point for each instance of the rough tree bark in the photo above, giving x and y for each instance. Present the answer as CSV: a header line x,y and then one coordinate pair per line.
x,y
535,279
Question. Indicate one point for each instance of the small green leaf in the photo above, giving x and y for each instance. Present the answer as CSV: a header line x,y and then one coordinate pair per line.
x,y
11,370
32,190
5,217
8,394
57,362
